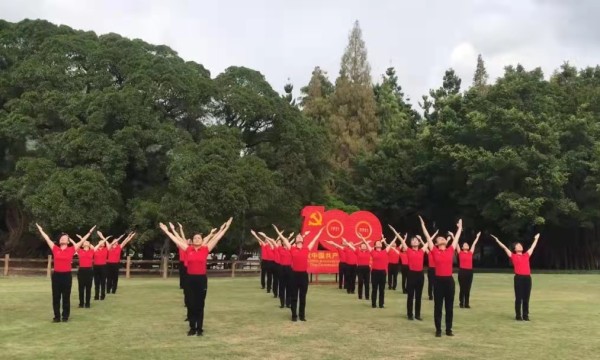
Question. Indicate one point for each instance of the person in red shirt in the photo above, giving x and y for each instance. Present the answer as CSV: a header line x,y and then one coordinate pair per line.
x,y
62,280
85,274
380,265
465,272
404,268
275,268
299,254
266,258
342,268
196,254
183,271
100,257
393,265
444,289
114,261
522,280
349,265
284,257
415,278
363,268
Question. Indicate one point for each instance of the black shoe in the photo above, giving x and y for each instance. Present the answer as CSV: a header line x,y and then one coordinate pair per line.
x,y
419,318
389,288
288,306
192,332
87,306
430,298
56,320
373,306
186,319
96,298
102,298
438,333
65,319
467,306
294,318
525,318
80,306
518,318
461,306
281,306
449,333
200,332
268,291
410,317
367,299
275,296
302,318
262,287
360,298
404,292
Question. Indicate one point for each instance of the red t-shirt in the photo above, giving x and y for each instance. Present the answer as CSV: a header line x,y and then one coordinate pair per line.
x,y
265,252
114,254
430,259
380,259
275,256
299,258
63,258
285,257
521,263
350,256
342,253
196,260
363,258
403,258
443,261
100,256
85,258
394,256
465,260
415,259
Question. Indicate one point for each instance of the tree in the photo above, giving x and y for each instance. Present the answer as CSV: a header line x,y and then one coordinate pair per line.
x,y
315,100
353,126
480,77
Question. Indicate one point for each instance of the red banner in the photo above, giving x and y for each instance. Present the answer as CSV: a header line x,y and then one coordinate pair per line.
x,y
338,225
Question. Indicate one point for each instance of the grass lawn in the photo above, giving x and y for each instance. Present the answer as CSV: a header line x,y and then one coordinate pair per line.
x,y
144,320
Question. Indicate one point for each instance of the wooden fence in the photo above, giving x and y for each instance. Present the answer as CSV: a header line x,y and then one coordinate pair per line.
x,y
164,267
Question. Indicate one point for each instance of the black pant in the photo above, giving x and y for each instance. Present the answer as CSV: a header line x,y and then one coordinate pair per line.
x,y
197,286
263,273
392,276
414,286
182,271
363,280
430,281
99,281
285,285
465,279
350,278
112,277
443,297
522,293
61,289
84,281
404,271
299,290
378,282
266,271
341,273
275,269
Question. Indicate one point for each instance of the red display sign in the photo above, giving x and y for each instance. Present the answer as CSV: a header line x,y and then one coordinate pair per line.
x,y
338,225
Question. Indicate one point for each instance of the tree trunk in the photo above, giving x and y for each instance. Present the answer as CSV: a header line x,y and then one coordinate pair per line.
x,y
16,222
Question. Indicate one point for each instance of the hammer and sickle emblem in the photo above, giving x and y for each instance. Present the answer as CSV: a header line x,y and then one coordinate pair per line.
x,y
315,219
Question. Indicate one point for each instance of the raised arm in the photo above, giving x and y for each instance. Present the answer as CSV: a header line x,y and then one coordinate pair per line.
x,y
456,237
78,244
315,239
424,228
286,242
506,250
89,233
45,236
387,246
180,244
475,242
129,238
348,244
257,238
335,245
219,235
181,231
364,241
425,247
100,242
535,241
430,244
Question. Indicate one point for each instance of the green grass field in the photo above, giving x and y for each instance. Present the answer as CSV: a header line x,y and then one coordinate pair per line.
x,y
144,320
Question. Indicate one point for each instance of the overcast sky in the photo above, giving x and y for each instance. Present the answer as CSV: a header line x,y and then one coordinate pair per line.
x,y
287,39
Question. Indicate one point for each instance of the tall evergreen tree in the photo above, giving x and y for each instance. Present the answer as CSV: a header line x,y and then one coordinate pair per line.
x,y
353,125
481,76
315,96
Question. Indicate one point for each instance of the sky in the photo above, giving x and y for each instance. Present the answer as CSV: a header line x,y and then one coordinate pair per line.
x,y
287,39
